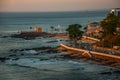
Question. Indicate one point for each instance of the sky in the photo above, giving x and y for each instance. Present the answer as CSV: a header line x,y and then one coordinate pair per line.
x,y
56,5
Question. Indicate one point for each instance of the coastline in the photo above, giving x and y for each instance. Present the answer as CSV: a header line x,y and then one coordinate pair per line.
x,y
31,35
52,62
107,59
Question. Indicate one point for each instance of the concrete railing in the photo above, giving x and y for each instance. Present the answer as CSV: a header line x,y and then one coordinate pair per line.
x,y
94,39
92,54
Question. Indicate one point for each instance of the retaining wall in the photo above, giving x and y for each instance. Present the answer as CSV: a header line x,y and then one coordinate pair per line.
x,y
93,55
94,39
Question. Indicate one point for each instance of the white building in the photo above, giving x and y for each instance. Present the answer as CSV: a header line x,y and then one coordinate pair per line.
x,y
115,11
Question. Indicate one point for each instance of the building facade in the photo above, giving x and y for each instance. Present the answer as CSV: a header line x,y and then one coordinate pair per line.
x,y
38,29
115,11
93,29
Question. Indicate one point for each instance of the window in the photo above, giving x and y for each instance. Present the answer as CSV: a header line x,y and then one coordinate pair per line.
x,y
119,13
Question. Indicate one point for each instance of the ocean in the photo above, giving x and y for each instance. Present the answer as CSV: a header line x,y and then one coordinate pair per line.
x,y
27,59
11,22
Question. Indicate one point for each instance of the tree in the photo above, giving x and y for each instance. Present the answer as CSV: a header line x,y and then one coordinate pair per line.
x,y
74,32
111,36
109,24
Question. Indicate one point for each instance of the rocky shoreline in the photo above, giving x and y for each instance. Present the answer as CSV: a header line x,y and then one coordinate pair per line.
x,y
52,63
49,50
31,35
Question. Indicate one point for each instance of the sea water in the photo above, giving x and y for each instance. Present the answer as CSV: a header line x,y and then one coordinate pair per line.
x,y
23,20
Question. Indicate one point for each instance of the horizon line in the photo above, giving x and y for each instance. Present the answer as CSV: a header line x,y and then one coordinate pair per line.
x,y
54,11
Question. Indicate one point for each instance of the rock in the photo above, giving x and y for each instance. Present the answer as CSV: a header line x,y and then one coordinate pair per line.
x,y
108,73
43,59
22,54
67,56
31,35
39,48
12,55
5,36
2,59
14,59
118,72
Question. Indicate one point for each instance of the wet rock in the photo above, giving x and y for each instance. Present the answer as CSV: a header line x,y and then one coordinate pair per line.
x,y
14,59
43,59
5,36
108,73
12,55
36,54
52,41
14,50
118,72
31,35
22,54
111,71
77,69
2,59
29,38
67,56
39,48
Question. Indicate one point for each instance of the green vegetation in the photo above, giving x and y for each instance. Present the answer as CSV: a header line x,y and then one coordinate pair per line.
x,y
74,32
111,31
109,24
